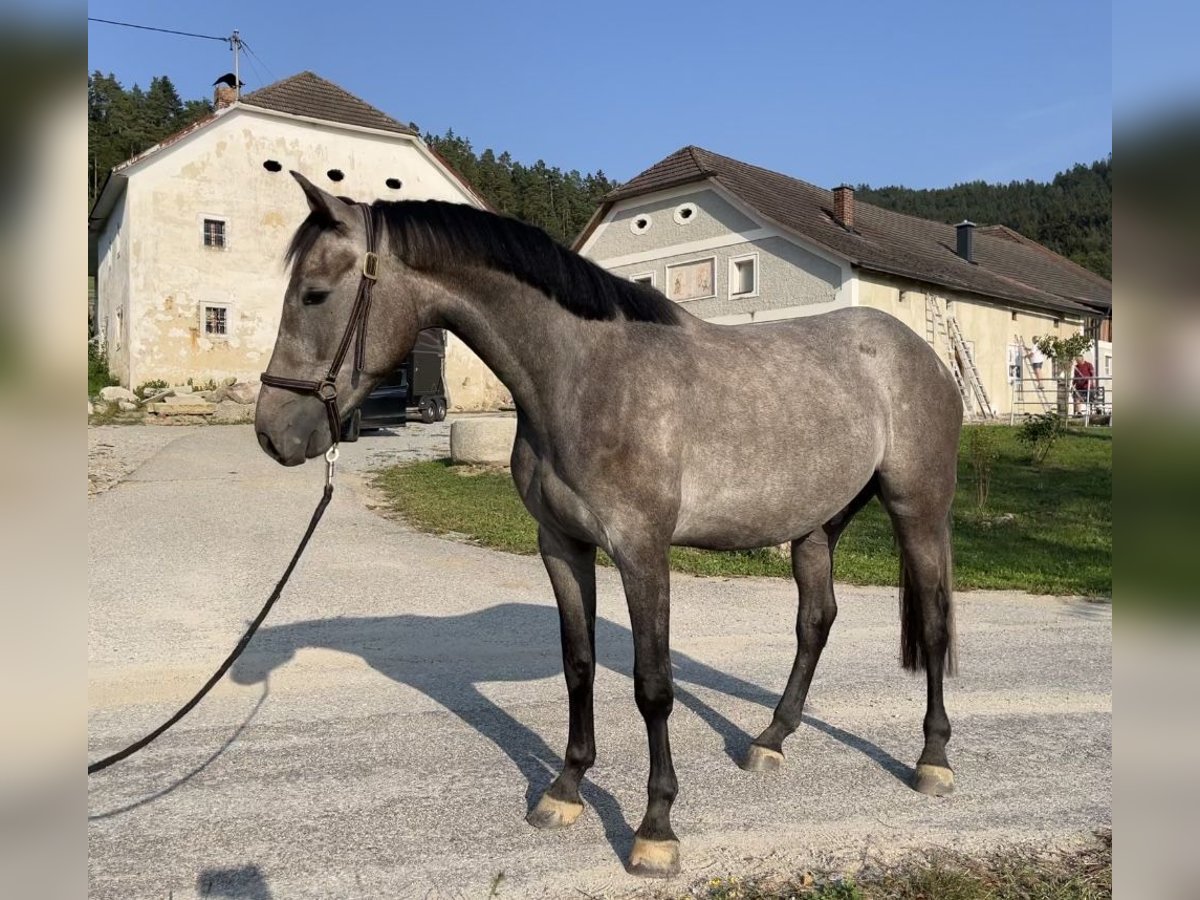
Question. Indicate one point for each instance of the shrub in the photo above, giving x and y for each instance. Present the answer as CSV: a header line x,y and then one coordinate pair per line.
x,y
98,374
982,453
148,388
1039,433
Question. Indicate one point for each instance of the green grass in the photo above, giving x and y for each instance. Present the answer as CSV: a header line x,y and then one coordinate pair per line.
x,y
98,374
1045,529
1085,874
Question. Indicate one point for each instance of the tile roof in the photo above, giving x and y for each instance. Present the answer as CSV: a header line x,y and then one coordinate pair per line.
x,y
308,94
1007,265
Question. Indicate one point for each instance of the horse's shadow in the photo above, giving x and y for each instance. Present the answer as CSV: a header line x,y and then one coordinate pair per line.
x,y
447,657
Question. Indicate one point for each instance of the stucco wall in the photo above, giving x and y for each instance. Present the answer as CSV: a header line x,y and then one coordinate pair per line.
x,y
112,290
987,327
714,217
218,172
788,277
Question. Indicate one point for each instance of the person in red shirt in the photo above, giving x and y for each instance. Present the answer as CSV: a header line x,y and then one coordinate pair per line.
x,y
1083,382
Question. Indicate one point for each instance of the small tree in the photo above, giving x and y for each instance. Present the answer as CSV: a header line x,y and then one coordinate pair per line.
x,y
1063,352
981,456
1040,433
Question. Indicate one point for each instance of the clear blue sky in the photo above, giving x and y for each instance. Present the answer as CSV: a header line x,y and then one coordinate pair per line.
x,y
923,94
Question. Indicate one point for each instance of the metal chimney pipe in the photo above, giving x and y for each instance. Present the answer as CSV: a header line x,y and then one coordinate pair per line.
x,y
966,240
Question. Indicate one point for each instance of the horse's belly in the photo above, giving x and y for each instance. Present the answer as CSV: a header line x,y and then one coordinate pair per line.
x,y
743,510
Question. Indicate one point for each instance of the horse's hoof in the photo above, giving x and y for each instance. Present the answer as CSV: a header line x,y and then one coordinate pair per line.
x,y
654,859
936,781
552,813
762,759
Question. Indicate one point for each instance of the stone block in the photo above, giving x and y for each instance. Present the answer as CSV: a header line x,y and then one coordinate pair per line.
x,y
115,394
483,440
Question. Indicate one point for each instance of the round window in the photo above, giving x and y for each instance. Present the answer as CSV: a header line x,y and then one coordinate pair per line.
x,y
685,213
640,224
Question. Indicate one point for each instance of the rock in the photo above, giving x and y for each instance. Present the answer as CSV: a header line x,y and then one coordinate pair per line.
x,y
115,393
185,389
214,396
183,406
483,440
229,381
242,392
127,406
231,412
91,408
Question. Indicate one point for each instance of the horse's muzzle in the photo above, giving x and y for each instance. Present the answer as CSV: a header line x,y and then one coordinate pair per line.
x,y
291,428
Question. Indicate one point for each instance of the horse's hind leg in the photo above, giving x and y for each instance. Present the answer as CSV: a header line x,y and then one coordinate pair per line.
x,y
812,567
571,566
927,635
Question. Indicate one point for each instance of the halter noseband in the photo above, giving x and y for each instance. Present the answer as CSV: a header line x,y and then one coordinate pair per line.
x,y
326,389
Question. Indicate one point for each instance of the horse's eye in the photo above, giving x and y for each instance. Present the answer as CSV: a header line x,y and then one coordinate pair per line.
x,y
312,298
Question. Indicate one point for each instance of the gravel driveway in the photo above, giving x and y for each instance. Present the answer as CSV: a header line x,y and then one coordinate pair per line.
x,y
386,729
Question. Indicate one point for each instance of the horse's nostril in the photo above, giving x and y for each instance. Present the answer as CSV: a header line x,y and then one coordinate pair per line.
x,y
264,441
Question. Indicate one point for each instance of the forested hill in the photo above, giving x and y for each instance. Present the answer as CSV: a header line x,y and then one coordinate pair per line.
x,y
122,123
1071,215
557,201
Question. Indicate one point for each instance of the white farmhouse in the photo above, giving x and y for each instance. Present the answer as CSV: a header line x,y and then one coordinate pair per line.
x,y
735,243
189,236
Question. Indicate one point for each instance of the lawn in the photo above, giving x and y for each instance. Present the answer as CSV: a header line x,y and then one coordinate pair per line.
x,y
1045,529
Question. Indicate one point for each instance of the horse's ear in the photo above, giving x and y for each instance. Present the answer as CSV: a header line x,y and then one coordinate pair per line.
x,y
321,202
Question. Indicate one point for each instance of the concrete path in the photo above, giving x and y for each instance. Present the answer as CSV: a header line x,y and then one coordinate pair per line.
x,y
385,732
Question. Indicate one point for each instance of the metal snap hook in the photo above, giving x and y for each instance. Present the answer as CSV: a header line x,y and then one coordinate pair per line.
x,y
331,457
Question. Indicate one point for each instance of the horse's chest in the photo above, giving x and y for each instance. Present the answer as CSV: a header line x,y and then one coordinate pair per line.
x,y
551,500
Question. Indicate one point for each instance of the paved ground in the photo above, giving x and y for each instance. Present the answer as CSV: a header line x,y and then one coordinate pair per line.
x,y
386,730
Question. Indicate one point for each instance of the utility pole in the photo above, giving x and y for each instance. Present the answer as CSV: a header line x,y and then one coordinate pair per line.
x,y
235,44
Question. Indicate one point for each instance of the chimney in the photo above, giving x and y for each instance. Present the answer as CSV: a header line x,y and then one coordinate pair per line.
x,y
224,96
225,90
966,240
843,205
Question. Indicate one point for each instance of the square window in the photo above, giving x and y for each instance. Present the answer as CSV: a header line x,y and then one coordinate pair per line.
x,y
743,276
216,321
214,233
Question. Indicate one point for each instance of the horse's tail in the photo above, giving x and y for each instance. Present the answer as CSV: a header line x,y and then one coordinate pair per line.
x,y
913,607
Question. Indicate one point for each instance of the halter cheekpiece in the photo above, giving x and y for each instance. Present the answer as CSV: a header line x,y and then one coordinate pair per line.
x,y
356,330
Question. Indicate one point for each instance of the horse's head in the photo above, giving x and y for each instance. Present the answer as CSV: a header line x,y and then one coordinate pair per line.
x,y
328,258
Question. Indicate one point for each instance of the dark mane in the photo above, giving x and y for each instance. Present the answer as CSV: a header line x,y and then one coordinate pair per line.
x,y
432,235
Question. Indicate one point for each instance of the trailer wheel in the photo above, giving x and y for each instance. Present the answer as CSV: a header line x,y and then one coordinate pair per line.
x,y
428,410
441,409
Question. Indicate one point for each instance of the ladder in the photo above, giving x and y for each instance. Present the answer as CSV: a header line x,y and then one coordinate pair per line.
x,y
970,372
939,339
1037,382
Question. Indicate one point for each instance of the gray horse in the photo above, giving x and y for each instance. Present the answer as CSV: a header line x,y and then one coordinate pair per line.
x,y
639,427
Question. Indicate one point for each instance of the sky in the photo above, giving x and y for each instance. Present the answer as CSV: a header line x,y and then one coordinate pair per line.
x,y
923,94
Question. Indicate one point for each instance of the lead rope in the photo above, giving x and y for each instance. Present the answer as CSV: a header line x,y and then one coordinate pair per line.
x,y
331,456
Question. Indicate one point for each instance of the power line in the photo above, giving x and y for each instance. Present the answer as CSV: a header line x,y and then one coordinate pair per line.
x,y
258,72
207,37
273,76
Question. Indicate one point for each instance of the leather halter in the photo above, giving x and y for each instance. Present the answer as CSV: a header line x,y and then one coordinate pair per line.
x,y
326,389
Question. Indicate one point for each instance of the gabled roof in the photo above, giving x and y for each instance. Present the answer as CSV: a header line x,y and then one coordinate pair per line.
x,y
308,94
1007,265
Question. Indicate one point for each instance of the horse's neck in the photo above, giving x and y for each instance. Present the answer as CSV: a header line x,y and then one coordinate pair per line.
x,y
529,341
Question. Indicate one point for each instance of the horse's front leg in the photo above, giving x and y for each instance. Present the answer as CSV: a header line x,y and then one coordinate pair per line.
x,y
646,576
571,566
